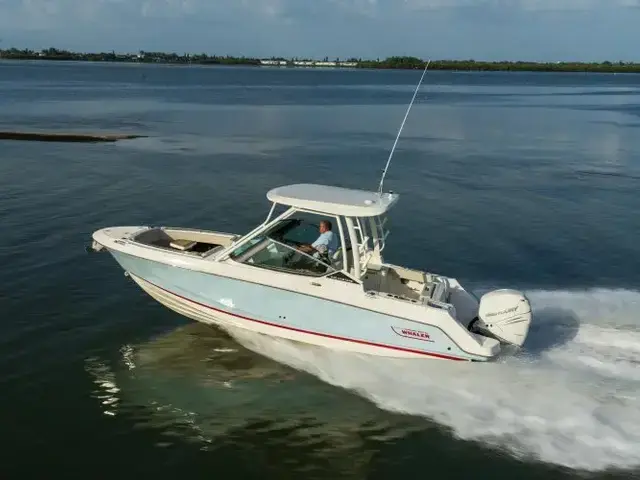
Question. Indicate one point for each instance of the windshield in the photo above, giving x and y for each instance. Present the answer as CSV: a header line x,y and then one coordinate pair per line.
x,y
295,231
266,252
291,231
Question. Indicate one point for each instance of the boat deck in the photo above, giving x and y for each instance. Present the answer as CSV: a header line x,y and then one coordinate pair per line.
x,y
196,242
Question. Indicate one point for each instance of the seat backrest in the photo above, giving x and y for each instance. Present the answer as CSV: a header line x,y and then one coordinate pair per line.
x,y
336,259
441,291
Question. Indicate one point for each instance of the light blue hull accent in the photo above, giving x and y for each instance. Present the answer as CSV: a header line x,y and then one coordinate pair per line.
x,y
293,310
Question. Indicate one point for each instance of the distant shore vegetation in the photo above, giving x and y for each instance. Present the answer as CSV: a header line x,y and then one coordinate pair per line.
x,y
397,62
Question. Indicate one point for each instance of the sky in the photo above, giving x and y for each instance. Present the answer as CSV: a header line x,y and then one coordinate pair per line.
x,y
535,30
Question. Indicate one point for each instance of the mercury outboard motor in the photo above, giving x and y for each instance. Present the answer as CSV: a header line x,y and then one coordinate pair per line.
x,y
504,315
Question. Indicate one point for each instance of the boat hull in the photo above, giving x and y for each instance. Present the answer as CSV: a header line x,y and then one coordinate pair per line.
x,y
233,303
208,315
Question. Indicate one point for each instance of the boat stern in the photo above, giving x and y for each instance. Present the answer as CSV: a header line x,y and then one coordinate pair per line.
x,y
498,321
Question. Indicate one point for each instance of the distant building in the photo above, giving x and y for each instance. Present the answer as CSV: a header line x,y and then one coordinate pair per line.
x,y
307,63
277,63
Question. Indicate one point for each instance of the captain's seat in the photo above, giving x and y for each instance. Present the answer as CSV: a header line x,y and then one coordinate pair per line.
x,y
336,259
441,291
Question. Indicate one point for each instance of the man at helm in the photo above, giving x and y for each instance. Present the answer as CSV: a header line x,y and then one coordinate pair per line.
x,y
326,243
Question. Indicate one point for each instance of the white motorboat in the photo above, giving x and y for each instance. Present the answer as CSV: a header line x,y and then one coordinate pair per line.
x,y
345,297
348,299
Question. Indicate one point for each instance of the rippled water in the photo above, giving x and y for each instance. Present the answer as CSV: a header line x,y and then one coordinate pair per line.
x,y
524,180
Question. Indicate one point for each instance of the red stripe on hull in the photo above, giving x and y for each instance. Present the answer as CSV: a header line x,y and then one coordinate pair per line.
x,y
325,335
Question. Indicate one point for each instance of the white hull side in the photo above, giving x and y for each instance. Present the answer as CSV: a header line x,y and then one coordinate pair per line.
x,y
206,315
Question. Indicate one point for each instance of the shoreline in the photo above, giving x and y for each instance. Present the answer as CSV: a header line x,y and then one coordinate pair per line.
x,y
390,63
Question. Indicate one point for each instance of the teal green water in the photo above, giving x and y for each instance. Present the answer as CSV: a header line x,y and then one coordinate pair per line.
x,y
506,179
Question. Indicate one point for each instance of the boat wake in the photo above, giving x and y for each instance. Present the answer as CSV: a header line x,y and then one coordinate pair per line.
x,y
572,398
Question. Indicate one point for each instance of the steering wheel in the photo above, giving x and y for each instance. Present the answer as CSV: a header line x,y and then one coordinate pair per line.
x,y
292,243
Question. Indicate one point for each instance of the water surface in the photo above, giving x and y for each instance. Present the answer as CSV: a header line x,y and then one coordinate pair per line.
x,y
506,179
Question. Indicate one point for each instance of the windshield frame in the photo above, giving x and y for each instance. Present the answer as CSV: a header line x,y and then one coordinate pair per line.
x,y
265,242
265,230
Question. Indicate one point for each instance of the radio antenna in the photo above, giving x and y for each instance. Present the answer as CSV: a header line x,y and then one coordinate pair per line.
x,y
384,172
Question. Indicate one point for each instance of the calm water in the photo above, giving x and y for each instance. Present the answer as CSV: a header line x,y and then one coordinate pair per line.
x,y
523,180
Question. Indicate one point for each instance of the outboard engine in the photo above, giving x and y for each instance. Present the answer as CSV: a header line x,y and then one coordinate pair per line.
x,y
504,315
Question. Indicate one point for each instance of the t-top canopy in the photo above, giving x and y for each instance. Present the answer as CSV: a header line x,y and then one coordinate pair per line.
x,y
333,200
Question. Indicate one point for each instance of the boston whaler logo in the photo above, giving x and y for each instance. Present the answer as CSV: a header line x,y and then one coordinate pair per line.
x,y
409,333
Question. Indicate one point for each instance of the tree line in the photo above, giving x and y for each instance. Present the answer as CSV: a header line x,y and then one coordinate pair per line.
x,y
394,62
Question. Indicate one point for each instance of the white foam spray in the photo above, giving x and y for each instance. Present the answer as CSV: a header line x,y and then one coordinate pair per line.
x,y
572,400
